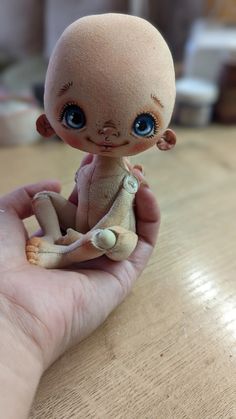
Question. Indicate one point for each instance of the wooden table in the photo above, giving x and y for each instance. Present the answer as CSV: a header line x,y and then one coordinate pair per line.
x,y
169,351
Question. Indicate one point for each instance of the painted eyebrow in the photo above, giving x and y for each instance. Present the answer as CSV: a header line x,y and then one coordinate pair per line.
x,y
157,101
65,88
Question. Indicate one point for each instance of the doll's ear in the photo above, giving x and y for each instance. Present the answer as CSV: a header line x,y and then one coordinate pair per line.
x,y
43,126
167,141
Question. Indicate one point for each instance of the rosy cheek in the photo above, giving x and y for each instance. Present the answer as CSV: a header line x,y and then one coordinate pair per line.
x,y
139,148
69,138
73,142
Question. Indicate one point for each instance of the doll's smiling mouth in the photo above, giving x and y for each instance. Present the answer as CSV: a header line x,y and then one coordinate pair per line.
x,y
106,145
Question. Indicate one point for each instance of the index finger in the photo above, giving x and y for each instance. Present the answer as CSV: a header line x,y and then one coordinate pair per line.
x,y
20,200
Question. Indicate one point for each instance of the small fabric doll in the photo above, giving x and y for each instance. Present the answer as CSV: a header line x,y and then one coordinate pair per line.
x,y
109,91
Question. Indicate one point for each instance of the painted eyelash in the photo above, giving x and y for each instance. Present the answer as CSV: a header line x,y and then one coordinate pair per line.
x,y
62,111
157,125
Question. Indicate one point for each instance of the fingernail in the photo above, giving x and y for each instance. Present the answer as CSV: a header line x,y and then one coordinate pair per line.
x,y
144,184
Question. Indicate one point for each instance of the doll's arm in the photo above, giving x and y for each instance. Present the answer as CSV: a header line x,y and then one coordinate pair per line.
x,y
72,235
73,198
74,194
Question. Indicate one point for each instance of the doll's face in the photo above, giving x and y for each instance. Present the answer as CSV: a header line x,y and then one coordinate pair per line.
x,y
110,92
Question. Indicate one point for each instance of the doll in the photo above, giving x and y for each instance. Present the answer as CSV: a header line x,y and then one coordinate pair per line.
x,y
109,91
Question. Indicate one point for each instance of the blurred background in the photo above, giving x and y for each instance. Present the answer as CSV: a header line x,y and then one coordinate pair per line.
x,y
201,35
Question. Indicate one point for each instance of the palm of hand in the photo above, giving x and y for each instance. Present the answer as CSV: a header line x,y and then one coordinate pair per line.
x,y
57,308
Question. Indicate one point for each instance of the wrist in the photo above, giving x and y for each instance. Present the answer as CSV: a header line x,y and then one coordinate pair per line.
x,y
20,371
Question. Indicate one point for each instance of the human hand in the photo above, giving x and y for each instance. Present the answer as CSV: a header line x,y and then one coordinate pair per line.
x,y
44,312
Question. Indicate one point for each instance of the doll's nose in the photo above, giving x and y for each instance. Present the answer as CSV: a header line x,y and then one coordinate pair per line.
x,y
108,131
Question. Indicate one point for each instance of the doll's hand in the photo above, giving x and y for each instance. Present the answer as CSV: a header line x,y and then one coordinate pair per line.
x,y
50,310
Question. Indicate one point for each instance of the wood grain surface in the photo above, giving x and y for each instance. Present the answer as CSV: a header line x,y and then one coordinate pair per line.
x,y
169,351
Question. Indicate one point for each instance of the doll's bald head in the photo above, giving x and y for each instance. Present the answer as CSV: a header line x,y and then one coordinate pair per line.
x,y
110,86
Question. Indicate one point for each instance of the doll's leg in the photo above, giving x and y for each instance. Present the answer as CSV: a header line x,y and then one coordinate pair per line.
x,y
53,212
116,242
91,245
70,237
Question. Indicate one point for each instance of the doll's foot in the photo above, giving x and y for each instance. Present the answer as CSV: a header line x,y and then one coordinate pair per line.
x,y
70,237
39,252
32,247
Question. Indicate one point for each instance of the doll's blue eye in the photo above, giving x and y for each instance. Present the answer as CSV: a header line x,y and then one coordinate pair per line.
x,y
144,125
73,117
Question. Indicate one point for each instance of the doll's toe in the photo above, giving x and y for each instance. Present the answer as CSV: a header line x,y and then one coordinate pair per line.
x,y
104,239
32,250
